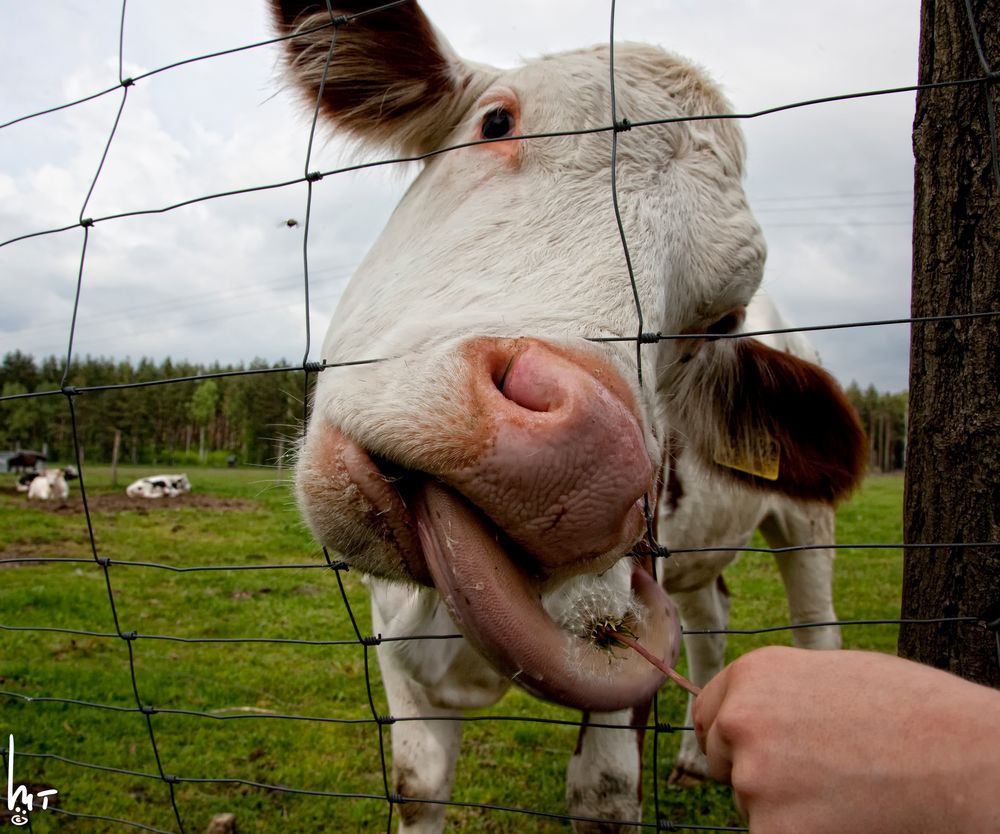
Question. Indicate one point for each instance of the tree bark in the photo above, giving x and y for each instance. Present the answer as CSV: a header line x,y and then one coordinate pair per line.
x,y
953,455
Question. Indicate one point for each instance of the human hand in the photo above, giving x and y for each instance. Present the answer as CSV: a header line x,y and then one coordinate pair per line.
x,y
848,741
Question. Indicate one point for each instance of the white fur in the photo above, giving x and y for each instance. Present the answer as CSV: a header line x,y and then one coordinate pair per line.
x,y
49,485
523,241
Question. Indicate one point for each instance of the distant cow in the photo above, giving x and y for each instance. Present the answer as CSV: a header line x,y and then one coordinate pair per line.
x,y
159,486
44,486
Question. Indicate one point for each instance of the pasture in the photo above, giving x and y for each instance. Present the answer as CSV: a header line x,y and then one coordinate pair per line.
x,y
275,732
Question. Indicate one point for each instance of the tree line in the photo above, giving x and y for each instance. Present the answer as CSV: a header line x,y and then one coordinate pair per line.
x,y
884,419
248,418
252,417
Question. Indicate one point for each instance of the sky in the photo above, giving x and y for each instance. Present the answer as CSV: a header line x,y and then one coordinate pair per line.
x,y
222,279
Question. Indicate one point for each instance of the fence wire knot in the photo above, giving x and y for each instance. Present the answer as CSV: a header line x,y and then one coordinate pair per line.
x,y
314,176
313,367
86,222
148,709
623,126
372,640
649,338
129,635
127,82
990,618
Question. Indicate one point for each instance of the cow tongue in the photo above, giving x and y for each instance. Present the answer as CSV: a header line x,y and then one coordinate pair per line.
x,y
499,611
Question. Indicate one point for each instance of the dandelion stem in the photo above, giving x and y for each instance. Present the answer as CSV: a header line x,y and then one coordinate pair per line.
x,y
632,643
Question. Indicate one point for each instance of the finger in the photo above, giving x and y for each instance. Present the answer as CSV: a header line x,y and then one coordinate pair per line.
x,y
707,705
719,754
705,714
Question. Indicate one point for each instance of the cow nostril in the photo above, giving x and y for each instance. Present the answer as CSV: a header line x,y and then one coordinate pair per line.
x,y
500,379
528,381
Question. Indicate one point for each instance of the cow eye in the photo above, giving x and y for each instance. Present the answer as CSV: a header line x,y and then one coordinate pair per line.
x,y
497,124
727,324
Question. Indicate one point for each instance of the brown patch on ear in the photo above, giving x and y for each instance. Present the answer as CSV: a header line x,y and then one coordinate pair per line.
x,y
391,79
780,401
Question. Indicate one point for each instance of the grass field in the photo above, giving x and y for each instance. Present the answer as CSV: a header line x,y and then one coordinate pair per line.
x,y
214,704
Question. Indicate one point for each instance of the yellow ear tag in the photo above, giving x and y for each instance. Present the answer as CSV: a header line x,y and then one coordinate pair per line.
x,y
762,460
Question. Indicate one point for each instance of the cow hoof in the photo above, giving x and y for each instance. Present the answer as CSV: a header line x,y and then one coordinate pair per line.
x,y
682,778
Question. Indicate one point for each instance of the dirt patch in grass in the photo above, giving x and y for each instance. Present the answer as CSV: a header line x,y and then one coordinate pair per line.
x,y
114,502
9,554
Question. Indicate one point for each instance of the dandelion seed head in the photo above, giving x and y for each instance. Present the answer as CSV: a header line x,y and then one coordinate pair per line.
x,y
591,609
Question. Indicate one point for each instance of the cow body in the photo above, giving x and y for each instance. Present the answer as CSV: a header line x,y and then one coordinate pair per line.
x,y
443,678
50,484
704,511
499,460
159,486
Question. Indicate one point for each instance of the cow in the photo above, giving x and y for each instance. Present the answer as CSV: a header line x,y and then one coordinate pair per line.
x,y
700,511
159,486
501,470
50,484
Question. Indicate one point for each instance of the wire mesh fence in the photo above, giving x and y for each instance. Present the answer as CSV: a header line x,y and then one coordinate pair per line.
x,y
155,733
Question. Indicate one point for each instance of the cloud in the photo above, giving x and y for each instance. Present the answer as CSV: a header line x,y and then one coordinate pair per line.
x,y
221,279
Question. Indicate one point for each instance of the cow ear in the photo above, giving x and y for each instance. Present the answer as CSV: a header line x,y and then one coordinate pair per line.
x,y
392,80
775,422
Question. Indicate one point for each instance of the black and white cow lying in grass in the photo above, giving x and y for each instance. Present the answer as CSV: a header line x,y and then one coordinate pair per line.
x,y
159,486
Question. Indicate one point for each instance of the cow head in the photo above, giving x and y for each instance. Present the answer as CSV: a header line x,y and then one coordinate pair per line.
x,y
497,452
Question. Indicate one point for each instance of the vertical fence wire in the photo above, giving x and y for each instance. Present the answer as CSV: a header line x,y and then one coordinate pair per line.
x,y
86,224
620,125
987,84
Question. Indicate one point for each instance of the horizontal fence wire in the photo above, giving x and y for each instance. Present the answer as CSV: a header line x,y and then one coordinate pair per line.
x,y
140,701
643,338
334,795
423,157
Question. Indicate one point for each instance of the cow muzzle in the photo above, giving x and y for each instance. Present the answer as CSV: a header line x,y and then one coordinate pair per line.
x,y
551,488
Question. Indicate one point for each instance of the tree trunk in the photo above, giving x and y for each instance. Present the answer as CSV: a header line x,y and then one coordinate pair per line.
x,y
114,457
953,453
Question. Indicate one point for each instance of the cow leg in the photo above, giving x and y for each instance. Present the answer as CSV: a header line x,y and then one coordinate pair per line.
x,y
807,574
435,680
604,776
703,608
423,752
